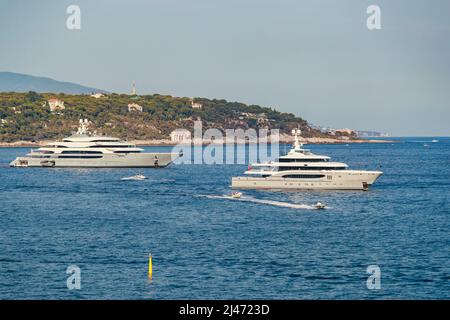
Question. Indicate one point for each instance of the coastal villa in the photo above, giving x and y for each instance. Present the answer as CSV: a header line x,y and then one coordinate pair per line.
x,y
16,111
345,131
97,95
339,132
253,115
196,105
134,107
180,135
261,118
56,104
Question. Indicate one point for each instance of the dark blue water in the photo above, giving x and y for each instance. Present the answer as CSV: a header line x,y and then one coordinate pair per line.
x,y
217,248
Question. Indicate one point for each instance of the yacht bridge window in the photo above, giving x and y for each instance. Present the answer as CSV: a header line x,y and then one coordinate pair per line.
x,y
302,160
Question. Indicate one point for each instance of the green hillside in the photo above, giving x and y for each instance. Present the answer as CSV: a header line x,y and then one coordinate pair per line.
x,y
27,116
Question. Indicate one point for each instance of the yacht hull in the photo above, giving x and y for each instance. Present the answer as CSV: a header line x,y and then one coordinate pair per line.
x,y
342,180
131,160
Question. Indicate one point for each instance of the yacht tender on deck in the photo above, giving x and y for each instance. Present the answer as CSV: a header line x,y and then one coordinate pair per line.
x,y
84,149
302,169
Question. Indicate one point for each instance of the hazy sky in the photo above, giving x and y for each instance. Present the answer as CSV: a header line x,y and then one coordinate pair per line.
x,y
314,58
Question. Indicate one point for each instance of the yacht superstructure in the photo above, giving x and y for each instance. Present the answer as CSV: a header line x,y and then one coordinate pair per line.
x,y
84,149
302,169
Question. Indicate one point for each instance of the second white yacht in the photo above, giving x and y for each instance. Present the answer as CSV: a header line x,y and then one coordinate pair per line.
x,y
302,169
86,150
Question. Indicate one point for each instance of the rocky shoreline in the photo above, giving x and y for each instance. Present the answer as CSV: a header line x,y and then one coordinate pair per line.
x,y
167,142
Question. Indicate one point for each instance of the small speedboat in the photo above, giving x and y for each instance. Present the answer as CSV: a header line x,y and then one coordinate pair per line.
x,y
48,163
319,205
236,195
135,177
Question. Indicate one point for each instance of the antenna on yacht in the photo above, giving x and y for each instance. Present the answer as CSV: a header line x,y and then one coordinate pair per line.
x,y
297,144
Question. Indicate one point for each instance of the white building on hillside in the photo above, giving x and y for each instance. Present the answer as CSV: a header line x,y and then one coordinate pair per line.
x,y
97,95
180,136
196,105
56,104
345,131
134,107
16,111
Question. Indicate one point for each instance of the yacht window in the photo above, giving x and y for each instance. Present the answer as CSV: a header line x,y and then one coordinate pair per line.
x,y
82,152
124,151
111,146
304,176
301,160
79,157
105,140
39,156
310,168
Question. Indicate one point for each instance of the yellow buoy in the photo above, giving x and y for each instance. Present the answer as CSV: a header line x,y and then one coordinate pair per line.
x,y
150,267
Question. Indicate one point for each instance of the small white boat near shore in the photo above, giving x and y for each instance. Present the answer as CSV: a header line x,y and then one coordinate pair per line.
x,y
236,195
320,205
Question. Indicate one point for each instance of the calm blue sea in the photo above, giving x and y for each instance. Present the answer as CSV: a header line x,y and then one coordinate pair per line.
x,y
211,248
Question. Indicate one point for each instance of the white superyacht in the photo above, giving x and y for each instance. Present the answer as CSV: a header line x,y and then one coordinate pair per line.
x,y
86,150
302,169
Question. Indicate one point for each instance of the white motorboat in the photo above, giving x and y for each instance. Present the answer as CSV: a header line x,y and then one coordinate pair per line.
x,y
319,205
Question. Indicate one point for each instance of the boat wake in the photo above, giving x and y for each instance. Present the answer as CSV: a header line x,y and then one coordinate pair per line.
x,y
265,202
137,177
425,141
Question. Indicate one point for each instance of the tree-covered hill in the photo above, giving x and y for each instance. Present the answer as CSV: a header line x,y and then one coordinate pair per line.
x,y
27,116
